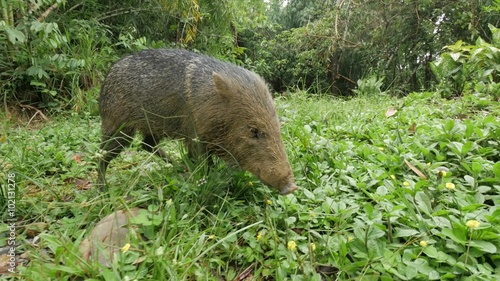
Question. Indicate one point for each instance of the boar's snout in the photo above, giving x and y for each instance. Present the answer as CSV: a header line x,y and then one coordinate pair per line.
x,y
285,184
289,188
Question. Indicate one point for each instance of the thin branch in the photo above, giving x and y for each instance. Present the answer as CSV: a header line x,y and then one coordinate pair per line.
x,y
38,112
47,12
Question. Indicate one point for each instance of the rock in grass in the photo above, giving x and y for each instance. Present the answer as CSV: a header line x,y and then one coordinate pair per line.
x,y
109,236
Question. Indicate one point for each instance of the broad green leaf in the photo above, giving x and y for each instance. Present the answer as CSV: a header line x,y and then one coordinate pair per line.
x,y
483,246
449,125
15,36
308,194
477,167
405,232
434,253
455,56
495,32
375,233
410,272
382,190
423,202
469,180
423,267
290,221
456,234
496,170
467,147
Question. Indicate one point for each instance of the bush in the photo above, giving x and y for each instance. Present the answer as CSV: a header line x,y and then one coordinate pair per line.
x,y
470,68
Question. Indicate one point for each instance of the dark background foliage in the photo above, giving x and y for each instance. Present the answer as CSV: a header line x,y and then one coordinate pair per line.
x,y
53,52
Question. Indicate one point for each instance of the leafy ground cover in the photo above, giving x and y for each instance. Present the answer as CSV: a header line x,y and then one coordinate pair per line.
x,y
391,189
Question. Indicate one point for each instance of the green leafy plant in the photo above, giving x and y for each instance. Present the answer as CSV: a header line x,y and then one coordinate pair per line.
x,y
470,68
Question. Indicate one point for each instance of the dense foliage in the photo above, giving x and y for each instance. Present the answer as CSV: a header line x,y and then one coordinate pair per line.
x,y
390,189
53,51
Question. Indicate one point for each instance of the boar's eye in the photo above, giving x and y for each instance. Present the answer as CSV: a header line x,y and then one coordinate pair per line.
x,y
256,133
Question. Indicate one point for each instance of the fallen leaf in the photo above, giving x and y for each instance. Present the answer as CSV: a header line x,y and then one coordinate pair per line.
x,y
391,111
245,274
5,264
77,158
327,270
412,129
33,229
415,170
83,184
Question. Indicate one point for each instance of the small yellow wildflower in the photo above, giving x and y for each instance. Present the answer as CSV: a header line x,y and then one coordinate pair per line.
x,y
2,139
292,245
126,247
423,243
441,171
450,186
312,246
250,183
269,202
381,148
406,183
429,164
472,224
259,236
211,237
350,238
393,177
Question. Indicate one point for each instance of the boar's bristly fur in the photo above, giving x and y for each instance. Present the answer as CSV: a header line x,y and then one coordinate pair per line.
x,y
215,107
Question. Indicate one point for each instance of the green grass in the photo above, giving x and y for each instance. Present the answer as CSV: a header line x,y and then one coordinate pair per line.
x,y
361,213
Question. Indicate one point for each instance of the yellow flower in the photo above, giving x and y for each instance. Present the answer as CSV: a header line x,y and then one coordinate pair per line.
x,y
381,148
424,243
269,202
429,164
393,177
472,224
441,171
292,245
312,246
259,236
350,238
126,247
211,237
250,183
450,186
406,183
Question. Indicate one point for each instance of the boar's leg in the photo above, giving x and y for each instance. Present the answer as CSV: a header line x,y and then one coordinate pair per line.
x,y
111,145
151,145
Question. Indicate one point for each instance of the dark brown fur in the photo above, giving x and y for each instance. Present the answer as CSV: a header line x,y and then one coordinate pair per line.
x,y
215,107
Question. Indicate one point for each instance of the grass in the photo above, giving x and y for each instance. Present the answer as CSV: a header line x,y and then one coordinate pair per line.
x,y
362,212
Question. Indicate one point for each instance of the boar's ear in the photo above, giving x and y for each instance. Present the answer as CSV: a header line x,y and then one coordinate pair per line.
x,y
222,86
